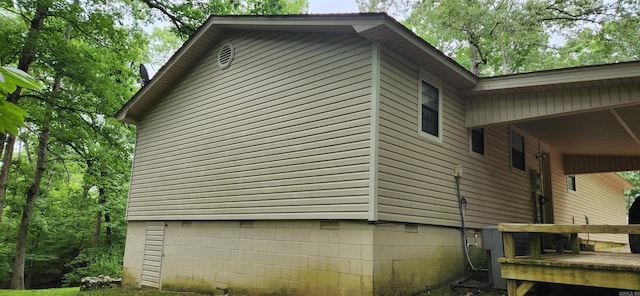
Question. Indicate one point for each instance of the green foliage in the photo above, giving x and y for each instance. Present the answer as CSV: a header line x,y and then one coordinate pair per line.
x,y
12,78
634,179
86,54
187,16
12,116
493,37
94,262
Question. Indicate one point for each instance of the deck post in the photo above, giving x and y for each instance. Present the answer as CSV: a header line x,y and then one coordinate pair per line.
x,y
575,243
534,246
512,287
508,245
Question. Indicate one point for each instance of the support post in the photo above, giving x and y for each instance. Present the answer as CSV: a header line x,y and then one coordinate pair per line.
x,y
575,243
535,249
508,245
512,288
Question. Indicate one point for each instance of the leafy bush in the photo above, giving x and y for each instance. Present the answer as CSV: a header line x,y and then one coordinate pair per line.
x,y
94,262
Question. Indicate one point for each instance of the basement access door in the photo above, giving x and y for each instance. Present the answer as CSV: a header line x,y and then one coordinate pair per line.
x,y
153,252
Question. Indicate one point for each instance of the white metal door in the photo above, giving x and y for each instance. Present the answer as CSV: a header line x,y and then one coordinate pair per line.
x,y
152,259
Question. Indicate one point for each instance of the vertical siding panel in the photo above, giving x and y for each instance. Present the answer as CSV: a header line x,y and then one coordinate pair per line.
x,y
502,108
614,94
587,96
282,133
549,102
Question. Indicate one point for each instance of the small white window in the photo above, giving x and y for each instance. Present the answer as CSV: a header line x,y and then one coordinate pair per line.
x,y
429,107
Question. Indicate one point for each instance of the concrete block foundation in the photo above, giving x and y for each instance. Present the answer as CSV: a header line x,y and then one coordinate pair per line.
x,y
293,257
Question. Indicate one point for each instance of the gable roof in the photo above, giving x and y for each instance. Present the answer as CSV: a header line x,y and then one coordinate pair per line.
x,y
377,27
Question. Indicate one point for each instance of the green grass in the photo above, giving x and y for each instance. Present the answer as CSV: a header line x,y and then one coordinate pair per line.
x,y
76,292
44,292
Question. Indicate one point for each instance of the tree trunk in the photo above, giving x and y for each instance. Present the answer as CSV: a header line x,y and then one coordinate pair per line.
x,y
107,220
107,217
505,63
17,279
32,266
97,227
102,200
4,171
475,61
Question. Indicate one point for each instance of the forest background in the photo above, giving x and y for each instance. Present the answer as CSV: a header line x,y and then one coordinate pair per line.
x,y
65,171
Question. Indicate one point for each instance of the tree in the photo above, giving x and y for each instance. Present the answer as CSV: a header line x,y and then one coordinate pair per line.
x,y
86,55
187,16
492,37
634,179
85,60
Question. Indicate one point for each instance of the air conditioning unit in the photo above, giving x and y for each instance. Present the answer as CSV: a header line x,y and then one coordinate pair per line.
x,y
492,244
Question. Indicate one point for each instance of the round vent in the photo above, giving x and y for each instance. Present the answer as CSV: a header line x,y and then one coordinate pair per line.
x,y
225,55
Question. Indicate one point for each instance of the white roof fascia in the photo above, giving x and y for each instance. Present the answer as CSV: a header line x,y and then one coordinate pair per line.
x,y
560,76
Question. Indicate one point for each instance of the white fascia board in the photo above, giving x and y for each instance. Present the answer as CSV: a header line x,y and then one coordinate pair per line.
x,y
560,76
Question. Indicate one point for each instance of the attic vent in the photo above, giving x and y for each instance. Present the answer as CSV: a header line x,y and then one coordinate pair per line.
x,y
225,55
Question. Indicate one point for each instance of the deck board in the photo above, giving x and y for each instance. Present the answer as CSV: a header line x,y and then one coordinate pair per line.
x,y
597,269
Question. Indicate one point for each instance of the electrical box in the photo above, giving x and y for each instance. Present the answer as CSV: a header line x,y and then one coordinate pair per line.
x,y
457,170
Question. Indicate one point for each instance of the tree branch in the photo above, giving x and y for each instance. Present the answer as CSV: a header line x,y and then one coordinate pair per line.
x,y
180,25
67,108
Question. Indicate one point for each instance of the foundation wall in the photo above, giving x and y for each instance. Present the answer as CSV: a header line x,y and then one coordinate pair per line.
x,y
299,257
133,254
411,257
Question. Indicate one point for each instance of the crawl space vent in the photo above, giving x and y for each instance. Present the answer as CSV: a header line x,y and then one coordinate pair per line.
x,y
225,55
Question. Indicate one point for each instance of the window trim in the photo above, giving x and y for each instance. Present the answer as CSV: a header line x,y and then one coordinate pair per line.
x,y
484,142
513,132
437,84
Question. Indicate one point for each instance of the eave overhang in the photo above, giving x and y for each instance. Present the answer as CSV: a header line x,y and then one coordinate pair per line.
x,y
567,78
377,27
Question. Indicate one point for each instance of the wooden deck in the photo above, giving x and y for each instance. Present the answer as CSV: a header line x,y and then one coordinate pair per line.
x,y
596,269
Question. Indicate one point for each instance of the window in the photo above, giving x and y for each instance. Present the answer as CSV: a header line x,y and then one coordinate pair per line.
x,y
477,140
571,183
517,151
430,108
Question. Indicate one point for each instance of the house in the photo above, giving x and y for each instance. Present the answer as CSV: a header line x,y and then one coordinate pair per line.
x,y
331,154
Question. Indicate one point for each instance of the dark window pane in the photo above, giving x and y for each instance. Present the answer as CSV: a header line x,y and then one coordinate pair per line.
x,y
517,151
517,159
477,140
571,183
430,109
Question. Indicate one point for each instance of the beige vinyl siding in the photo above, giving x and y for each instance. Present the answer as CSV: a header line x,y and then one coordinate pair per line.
x,y
501,108
416,182
282,133
595,196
